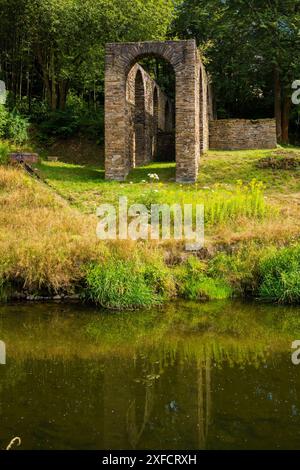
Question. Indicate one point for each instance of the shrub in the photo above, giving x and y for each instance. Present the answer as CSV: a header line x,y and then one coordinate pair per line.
x,y
4,151
17,129
76,118
13,126
58,124
240,269
194,284
159,277
4,115
119,285
280,276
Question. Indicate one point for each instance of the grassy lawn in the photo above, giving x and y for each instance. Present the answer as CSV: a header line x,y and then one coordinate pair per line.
x,y
85,187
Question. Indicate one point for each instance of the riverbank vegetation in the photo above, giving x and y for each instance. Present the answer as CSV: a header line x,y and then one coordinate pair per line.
x,y
50,249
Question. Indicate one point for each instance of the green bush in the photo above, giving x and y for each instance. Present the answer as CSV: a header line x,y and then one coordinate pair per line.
x,y
240,269
17,128
119,284
65,124
280,276
62,124
195,284
159,277
4,115
13,126
4,151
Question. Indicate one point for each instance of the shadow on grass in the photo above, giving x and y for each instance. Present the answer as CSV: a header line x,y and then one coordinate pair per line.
x,y
71,173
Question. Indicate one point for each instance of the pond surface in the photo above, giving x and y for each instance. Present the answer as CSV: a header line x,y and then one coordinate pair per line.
x,y
188,376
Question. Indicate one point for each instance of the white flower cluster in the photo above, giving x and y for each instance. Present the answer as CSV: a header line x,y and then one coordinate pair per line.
x,y
153,176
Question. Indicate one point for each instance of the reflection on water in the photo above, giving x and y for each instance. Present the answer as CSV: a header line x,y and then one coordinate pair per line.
x,y
210,376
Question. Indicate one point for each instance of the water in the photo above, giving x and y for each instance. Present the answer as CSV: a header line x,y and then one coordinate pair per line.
x,y
188,376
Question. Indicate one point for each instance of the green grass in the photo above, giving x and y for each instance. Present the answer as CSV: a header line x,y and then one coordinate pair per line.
x,y
280,276
82,184
119,285
229,166
195,284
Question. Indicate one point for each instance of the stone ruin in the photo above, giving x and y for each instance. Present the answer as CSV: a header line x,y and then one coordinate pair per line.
x,y
141,122
136,109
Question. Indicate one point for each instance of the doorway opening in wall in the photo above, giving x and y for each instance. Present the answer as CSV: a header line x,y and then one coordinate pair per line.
x,y
150,96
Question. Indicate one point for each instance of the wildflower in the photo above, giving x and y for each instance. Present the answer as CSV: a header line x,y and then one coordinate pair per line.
x,y
153,176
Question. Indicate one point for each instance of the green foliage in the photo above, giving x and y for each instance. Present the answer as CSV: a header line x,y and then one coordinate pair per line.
x,y
194,284
4,115
58,124
4,151
13,126
247,67
280,276
77,118
60,44
221,204
238,269
159,277
119,284
17,128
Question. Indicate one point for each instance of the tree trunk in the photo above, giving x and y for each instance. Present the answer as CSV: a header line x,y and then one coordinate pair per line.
x,y
277,104
286,107
63,92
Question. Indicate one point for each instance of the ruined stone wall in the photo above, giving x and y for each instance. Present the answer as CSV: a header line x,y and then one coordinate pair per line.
x,y
204,110
240,134
146,106
185,60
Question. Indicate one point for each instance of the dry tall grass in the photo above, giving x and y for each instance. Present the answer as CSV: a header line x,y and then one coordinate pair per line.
x,y
43,242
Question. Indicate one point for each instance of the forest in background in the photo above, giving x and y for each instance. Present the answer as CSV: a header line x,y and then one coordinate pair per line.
x,y
52,58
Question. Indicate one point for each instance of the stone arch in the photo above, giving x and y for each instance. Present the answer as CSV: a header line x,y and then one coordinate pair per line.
x,y
185,60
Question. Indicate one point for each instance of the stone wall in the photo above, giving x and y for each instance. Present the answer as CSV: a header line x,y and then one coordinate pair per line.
x,y
119,141
148,111
239,134
23,157
204,110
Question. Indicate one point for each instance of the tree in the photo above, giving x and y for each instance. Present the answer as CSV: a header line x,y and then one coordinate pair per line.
x,y
63,40
252,49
